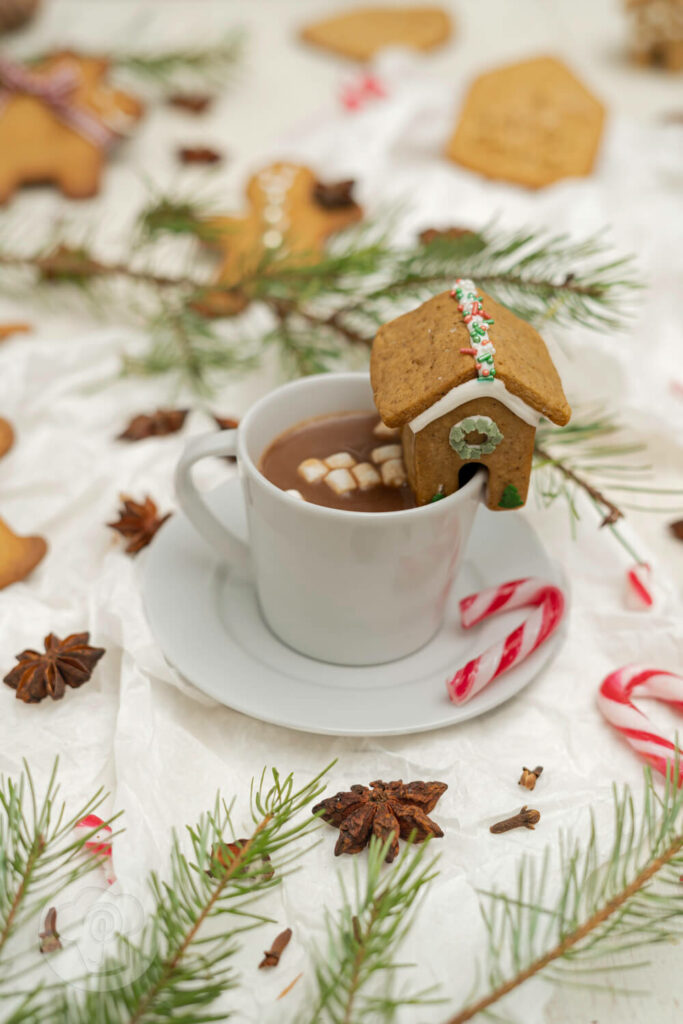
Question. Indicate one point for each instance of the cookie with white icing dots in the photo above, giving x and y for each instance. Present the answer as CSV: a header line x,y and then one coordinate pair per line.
x,y
361,32
289,217
467,382
531,123
58,120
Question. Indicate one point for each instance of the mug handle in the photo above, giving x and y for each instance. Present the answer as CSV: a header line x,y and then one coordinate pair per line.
x,y
207,524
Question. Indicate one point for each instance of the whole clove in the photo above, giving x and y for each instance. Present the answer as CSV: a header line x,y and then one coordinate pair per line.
x,y
527,818
271,957
530,776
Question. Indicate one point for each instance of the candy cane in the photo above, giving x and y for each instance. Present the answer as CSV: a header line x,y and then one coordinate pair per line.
x,y
97,841
639,595
614,701
548,603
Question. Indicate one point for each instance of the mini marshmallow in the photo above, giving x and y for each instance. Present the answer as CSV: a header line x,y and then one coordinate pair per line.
x,y
386,452
393,473
340,460
312,470
382,430
293,493
366,475
340,481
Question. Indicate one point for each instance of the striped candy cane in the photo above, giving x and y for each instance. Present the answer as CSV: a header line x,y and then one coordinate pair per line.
x,y
98,840
614,701
548,603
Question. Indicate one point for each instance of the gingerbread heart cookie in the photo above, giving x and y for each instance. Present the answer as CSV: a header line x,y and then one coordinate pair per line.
x,y
57,121
18,555
531,123
361,32
290,216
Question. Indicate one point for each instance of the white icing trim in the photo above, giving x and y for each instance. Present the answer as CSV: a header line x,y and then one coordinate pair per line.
x,y
467,392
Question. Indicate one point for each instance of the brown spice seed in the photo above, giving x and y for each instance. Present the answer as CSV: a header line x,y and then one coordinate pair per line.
x,y
334,196
68,662
677,529
49,939
199,155
193,103
138,522
156,424
527,818
530,776
271,957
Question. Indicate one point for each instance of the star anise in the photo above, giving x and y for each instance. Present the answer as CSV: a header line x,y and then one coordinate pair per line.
x,y
334,196
156,424
383,810
138,522
68,662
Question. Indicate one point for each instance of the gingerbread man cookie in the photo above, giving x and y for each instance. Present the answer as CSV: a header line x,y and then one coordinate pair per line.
x,y
290,216
531,123
360,33
57,122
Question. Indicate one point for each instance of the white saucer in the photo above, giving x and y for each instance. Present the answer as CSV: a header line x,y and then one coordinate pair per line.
x,y
210,629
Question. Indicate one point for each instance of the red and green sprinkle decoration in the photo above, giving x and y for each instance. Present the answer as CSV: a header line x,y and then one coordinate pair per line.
x,y
471,305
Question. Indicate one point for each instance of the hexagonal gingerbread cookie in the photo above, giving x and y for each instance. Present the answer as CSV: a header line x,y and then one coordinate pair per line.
x,y
531,123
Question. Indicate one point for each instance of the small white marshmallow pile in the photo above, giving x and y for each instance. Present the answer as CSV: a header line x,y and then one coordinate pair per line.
x,y
342,474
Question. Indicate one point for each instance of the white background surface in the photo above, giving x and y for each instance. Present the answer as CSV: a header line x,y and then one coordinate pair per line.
x,y
160,748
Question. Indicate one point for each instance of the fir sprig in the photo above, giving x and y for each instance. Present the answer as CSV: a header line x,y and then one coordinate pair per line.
x,y
325,307
595,455
196,66
604,907
356,973
39,858
184,960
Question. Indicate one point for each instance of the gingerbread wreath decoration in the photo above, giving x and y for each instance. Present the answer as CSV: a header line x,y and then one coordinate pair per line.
x,y
467,383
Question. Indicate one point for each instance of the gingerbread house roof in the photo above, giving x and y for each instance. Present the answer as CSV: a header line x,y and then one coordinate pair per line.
x,y
416,360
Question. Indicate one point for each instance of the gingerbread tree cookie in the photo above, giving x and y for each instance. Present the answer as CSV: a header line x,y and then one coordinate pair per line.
x,y
531,123
467,381
361,32
57,121
290,215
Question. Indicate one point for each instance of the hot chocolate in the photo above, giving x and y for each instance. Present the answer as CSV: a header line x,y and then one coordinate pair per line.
x,y
346,460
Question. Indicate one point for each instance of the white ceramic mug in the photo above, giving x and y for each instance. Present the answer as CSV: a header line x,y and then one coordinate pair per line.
x,y
352,588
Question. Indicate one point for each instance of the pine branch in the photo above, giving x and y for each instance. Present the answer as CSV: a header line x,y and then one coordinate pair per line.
x,y
327,307
39,858
181,966
592,455
632,900
364,937
191,67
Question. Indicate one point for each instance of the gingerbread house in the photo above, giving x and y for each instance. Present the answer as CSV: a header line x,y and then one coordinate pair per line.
x,y
467,382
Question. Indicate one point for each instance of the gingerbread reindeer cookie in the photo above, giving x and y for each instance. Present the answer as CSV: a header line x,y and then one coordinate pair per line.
x,y
290,216
57,122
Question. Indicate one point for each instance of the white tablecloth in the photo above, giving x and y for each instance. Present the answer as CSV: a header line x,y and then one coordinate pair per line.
x,y
161,748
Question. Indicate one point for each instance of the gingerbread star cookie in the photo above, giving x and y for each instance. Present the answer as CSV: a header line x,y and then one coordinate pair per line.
x,y
361,32
18,555
57,121
531,123
290,216
6,436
